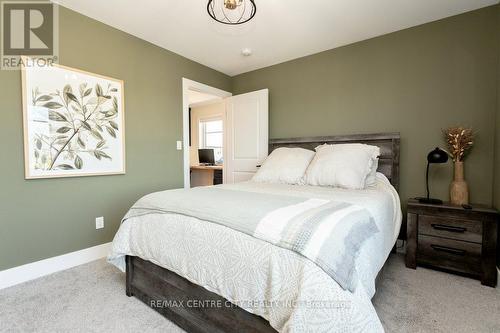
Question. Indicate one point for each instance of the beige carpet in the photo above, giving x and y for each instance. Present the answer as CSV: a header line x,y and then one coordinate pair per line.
x,y
425,300
91,298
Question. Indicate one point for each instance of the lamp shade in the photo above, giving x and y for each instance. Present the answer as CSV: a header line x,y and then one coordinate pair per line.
x,y
437,156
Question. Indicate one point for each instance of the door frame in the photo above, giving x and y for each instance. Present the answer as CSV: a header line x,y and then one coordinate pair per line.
x,y
187,85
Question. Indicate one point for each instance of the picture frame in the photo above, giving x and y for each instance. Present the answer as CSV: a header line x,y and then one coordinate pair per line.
x,y
73,122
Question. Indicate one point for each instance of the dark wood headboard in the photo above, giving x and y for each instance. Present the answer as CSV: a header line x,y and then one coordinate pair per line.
x,y
388,143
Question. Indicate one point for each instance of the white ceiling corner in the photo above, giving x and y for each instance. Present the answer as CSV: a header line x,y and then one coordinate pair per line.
x,y
282,30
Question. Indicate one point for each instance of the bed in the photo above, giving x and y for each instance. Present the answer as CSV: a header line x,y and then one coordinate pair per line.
x,y
206,277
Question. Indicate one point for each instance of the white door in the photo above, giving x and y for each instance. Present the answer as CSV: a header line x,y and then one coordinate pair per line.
x,y
246,135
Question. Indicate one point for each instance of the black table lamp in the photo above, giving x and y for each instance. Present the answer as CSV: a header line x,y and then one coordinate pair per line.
x,y
436,156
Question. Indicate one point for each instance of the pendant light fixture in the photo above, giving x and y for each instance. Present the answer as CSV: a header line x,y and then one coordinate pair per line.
x,y
231,12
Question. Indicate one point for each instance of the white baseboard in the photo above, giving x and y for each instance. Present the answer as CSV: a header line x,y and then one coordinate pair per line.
x,y
34,270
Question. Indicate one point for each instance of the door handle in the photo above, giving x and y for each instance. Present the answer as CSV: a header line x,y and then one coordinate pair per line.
x,y
448,250
449,228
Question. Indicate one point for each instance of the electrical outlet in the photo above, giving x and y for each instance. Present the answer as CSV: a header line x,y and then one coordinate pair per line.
x,y
99,222
179,145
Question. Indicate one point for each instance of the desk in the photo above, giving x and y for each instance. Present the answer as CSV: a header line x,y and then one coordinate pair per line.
x,y
206,167
206,175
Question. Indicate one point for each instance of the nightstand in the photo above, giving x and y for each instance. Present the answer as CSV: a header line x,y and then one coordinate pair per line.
x,y
453,239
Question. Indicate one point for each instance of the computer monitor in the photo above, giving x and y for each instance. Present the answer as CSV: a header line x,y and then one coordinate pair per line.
x,y
206,156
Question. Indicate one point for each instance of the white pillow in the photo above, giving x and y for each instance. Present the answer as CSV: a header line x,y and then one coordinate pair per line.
x,y
342,165
371,180
285,165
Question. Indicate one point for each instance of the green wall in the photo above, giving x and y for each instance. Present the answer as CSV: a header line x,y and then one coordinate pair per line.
x,y
45,218
416,81
496,192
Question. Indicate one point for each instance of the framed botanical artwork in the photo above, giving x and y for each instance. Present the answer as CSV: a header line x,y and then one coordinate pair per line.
x,y
73,123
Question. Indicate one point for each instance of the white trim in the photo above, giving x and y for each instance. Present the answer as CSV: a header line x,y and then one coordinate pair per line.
x,y
200,87
498,277
34,270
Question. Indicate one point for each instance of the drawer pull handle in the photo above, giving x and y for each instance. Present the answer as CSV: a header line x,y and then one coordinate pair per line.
x,y
448,250
449,228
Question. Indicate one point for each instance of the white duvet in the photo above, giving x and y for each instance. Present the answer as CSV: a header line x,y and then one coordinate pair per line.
x,y
288,290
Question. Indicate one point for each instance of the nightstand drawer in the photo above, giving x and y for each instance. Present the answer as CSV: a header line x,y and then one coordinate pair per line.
x,y
451,254
471,231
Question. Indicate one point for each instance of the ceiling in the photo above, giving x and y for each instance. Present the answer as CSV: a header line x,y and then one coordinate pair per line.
x,y
196,97
282,30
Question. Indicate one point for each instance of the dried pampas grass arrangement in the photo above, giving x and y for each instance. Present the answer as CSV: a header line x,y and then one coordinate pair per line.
x,y
460,140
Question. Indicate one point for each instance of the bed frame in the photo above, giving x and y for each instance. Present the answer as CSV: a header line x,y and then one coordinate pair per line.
x,y
195,309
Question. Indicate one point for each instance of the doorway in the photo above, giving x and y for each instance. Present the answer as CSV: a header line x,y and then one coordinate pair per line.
x,y
203,121
244,133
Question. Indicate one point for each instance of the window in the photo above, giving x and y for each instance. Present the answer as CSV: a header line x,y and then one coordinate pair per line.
x,y
212,136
